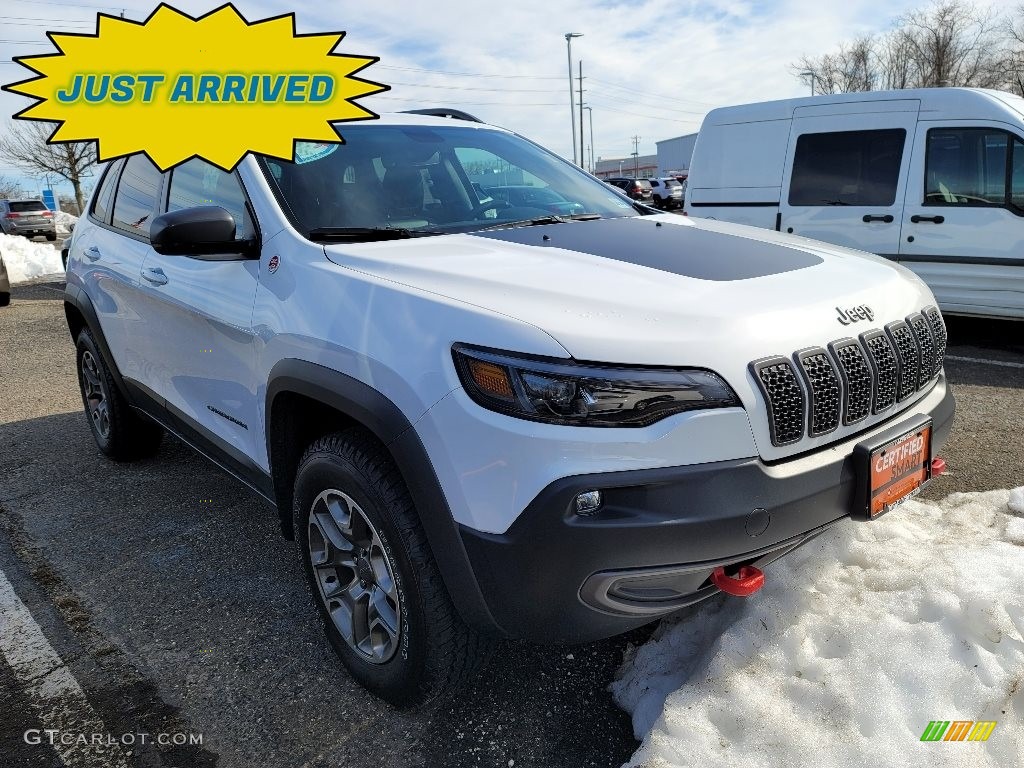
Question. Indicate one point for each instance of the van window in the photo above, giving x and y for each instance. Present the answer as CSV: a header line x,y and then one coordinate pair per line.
x,y
966,167
135,202
197,183
847,168
1017,176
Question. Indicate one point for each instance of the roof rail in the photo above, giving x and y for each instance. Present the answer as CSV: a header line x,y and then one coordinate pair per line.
x,y
454,114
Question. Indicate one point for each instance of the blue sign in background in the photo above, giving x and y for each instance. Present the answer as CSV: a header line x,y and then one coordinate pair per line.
x,y
50,200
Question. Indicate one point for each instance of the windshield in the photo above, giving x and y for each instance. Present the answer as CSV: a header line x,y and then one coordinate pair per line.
x,y
432,180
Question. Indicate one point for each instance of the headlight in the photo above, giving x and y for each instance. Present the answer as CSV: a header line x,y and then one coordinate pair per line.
x,y
586,395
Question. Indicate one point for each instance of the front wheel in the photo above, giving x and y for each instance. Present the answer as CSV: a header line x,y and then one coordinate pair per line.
x,y
119,432
373,578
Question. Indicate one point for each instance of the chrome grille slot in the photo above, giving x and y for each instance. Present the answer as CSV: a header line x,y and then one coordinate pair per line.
x,y
824,388
939,335
884,368
925,345
909,358
784,397
858,383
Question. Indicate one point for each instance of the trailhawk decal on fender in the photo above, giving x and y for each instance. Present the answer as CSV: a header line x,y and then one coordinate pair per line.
x,y
682,250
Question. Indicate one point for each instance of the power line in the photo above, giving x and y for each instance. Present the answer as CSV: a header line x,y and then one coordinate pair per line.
x,y
465,74
470,88
74,5
651,93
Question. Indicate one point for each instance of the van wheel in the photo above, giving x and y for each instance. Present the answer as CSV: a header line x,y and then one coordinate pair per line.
x,y
5,298
376,586
119,432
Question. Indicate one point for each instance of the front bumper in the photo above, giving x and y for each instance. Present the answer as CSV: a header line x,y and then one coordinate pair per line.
x,y
555,576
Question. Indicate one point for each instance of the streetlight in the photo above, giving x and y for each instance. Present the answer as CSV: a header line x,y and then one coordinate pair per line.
x,y
812,76
590,112
572,105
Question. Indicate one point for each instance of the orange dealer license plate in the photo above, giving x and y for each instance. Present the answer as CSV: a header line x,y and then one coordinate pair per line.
x,y
893,467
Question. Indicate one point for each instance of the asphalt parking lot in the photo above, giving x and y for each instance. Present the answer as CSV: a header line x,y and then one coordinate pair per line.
x,y
167,592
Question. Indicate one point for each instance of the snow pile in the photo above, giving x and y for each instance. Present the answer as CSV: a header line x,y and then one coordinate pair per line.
x,y
26,259
63,222
856,642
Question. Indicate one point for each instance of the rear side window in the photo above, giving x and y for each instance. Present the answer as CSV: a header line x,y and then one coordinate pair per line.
x,y
968,167
136,198
101,203
27,206
847,168
197,183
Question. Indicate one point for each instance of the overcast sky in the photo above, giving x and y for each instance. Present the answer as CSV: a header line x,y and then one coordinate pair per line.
x,y
651,68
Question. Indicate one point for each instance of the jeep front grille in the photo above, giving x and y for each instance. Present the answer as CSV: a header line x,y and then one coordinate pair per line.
x,y
858,385
884,368
909,358
785,399
851,379
939,334
823,386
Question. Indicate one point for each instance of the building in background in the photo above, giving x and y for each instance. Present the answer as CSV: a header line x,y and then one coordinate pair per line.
x,y
643,167
674,155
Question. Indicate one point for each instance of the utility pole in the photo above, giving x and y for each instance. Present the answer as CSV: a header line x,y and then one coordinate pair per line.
x,y
583,160
590,111
636,157
572,99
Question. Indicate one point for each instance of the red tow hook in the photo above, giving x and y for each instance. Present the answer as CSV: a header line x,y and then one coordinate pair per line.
x,y
938,466
743,584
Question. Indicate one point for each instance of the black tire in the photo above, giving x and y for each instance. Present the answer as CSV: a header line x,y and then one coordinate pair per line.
x,y
433,651
5,299
121,434
51,237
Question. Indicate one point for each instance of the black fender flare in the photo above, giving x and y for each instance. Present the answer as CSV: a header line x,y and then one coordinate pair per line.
x,y
75,297
385,420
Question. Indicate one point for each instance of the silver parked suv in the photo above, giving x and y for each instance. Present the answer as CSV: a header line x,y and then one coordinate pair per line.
x,y
30,218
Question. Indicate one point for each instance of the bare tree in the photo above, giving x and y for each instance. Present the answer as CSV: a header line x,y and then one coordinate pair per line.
x,y
10,189
949,43
24,146
1014,58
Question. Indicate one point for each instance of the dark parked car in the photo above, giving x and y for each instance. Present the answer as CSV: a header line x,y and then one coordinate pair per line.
x,y
637,189
30,218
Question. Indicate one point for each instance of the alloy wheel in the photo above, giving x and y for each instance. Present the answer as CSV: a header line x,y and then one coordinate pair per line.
x,y
95,389
355,576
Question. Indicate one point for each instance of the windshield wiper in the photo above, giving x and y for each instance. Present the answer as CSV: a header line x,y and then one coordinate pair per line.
x,y
366,234
540,220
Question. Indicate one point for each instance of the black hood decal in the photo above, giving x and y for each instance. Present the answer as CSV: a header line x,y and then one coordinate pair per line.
x,y
681,250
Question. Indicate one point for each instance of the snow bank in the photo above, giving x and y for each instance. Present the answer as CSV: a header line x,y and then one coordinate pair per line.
x,y
856,642
26,259
63,222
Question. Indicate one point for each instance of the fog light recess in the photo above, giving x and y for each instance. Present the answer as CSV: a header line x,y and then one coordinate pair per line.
x,y
588,502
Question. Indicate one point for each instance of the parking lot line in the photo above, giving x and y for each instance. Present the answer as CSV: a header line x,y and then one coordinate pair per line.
x,y
63,711
984,360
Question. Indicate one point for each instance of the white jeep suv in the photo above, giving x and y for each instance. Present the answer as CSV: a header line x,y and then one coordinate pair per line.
x,y
483,420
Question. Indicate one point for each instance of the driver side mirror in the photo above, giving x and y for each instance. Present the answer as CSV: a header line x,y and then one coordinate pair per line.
x,y
205,232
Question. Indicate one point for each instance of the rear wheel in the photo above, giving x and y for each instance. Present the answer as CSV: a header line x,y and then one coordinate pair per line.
x,y
5,299
373,578
119,432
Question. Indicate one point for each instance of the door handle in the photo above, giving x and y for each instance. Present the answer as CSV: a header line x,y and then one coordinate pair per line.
x,y
887,218
915,219
155,275
92,253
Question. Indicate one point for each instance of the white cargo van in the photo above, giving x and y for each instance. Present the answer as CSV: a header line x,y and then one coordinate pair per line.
x,y
932,178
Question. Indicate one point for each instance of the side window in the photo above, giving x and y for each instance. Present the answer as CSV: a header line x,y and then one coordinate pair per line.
x,y
198,183
966,167
135,201
101,202
1017,176
847,168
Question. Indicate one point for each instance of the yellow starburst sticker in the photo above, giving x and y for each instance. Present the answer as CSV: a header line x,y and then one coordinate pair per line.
x,y
177,87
